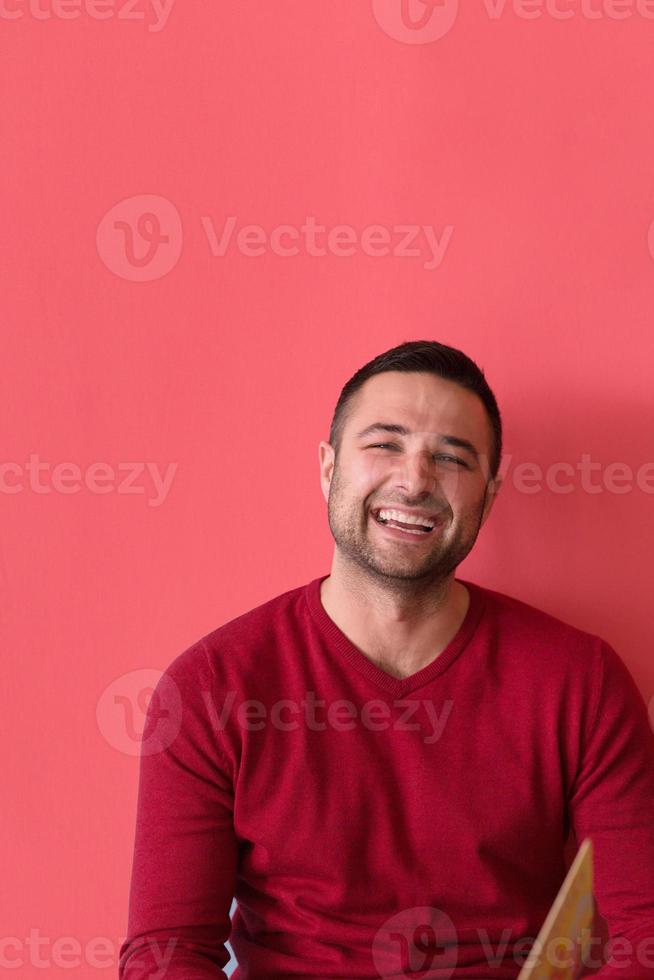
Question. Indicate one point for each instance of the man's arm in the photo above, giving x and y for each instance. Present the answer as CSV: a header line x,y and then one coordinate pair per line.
x,y
612,802
185,851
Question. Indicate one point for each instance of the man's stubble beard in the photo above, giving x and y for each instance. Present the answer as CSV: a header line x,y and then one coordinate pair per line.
x,y
354,542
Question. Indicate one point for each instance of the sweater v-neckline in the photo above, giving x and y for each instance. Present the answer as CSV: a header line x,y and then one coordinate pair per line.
x,y
396,686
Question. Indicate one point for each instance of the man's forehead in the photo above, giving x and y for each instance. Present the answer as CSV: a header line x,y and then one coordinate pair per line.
x,y
420,402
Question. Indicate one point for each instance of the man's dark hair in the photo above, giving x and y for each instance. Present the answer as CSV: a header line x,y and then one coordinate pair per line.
x,y
429,357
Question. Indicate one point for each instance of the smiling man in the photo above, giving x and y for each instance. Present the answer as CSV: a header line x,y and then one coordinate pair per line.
x,y
383,765
407,495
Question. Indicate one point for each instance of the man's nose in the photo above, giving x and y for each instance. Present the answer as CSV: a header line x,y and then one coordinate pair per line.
x,y
417,473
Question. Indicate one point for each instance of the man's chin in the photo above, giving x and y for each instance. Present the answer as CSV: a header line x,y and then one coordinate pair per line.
x,y
406,568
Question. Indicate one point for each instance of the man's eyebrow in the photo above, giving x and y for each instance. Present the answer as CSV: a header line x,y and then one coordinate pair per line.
x,y
461,443
401,430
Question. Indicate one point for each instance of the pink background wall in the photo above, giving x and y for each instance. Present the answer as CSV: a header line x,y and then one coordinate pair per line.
x,y
521,139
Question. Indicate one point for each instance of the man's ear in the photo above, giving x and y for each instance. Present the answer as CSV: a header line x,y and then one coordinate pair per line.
x,y
492,490
326,456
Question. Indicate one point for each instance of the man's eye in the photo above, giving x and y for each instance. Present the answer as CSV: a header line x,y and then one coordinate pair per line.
x,y
452,459
391,445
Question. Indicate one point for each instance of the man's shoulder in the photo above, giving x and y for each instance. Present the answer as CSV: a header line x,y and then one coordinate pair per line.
x,y
262,619
245,638
533,627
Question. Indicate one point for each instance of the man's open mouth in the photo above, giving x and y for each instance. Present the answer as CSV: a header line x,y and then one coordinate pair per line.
x,y
416,525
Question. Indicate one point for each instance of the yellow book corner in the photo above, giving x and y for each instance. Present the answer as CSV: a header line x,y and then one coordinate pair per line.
x,y
564,939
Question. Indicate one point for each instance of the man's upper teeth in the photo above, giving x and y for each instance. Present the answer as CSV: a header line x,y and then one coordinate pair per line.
x,y
398,515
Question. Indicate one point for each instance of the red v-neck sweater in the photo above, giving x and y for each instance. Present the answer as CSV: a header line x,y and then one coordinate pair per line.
x,y
369,826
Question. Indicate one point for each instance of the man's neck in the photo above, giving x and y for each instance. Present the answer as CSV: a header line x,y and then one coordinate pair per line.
x,y
399,632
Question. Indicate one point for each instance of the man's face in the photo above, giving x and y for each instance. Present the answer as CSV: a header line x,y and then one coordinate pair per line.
x,y
418,470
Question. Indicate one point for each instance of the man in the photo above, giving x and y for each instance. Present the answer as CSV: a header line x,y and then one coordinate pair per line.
x,y
383,766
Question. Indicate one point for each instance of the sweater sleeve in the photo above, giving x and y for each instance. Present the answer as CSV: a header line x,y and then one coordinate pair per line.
x,y
185,851
612,802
